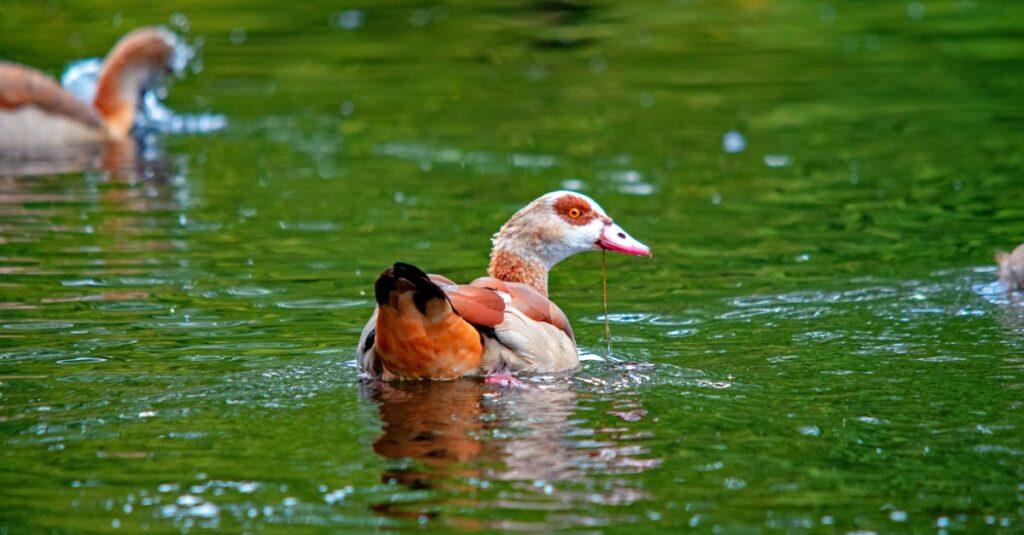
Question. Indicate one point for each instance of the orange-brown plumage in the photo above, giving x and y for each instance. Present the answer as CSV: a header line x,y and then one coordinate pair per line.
x,y
575,210
479,306
413,346
36,110
509,266
138,56
435,423
419,332
1011,268
426,326
25,86
528,301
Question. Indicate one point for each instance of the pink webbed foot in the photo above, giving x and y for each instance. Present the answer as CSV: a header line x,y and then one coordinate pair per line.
x,y
503,379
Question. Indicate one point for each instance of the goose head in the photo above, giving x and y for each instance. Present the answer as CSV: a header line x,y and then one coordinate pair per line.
x,y
552,228
139,60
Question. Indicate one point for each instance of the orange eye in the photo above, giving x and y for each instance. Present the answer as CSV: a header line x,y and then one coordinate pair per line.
x,y
575,213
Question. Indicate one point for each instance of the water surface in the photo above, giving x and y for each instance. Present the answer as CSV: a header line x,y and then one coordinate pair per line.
x,y
818,343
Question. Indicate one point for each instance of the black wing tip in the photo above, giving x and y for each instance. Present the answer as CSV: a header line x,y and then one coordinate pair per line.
x,y
408,271
416,281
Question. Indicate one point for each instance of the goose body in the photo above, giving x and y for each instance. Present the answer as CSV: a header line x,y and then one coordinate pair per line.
x,y
37,113
428,327
1011,268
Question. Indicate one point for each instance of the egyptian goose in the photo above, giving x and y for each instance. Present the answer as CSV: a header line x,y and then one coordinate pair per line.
x,y
428,327
1011,268
35,111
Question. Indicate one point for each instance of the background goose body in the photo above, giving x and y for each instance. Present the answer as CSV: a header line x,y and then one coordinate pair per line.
x,y
1011,268
35,111
426,326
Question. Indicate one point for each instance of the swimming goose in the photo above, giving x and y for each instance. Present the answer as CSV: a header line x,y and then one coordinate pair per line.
x,y
1011,268
428,327
35,111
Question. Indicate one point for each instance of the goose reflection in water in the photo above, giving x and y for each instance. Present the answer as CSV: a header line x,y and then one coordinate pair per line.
x,y
104,206
119,155
142,173
470,444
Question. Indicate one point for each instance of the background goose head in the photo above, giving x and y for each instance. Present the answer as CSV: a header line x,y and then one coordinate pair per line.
x,y
139,60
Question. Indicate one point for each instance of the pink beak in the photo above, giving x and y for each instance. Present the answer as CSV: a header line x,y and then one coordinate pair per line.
x,y
613,238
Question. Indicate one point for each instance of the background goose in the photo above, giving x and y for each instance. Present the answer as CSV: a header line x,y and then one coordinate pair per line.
x,y
35,111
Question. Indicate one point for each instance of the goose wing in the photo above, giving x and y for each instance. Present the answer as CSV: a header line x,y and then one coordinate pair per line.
x,y
534,335
24,86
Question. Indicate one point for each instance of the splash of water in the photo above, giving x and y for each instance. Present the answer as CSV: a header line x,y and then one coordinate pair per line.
x,y
82,76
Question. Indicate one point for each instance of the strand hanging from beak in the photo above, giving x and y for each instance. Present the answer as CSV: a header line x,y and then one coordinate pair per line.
x,y
604,300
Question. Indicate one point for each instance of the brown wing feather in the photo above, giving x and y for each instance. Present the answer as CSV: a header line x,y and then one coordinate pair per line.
x,y
529,301
440,280
492,283
479,306
560,320
25,86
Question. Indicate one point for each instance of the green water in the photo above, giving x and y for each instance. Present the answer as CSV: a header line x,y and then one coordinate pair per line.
x,y
818,343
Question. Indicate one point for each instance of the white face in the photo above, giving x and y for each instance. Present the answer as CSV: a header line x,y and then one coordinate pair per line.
x,y
571,223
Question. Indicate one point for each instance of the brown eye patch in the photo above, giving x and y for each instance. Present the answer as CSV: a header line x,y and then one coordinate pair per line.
x,y
574,209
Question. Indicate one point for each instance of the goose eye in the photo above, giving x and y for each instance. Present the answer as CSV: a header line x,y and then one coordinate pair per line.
x,y
575,213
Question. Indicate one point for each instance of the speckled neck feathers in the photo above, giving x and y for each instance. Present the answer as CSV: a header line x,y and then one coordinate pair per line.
x,y
510,266
522,251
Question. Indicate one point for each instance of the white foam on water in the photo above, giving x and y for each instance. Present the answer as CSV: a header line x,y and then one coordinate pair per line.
x,y
81,77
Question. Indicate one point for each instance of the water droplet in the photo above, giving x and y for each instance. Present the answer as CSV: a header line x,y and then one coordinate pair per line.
x,y
733,483
82,360
322,304
810,430
733,142
636,189
574,184
179,21
188,500
205,510
349,19
777,160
